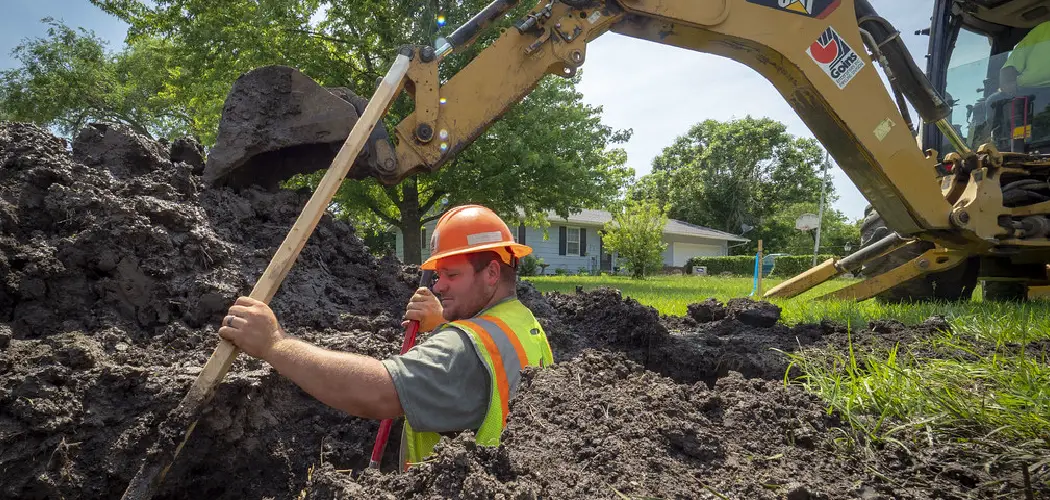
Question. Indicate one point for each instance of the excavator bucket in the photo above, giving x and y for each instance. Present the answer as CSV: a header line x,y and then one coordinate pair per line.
x,y
277,122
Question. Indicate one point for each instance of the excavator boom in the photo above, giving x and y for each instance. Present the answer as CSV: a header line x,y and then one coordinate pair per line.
x,y
821,55
814,59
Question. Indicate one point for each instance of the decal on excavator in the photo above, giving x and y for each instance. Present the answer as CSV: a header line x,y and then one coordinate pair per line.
x,y
835,57
811,8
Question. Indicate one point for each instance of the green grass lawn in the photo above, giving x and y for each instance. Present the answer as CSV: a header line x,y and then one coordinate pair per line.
x,y
671,295
987,381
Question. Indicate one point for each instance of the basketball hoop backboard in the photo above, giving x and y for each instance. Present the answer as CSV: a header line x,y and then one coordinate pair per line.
x,y
806,222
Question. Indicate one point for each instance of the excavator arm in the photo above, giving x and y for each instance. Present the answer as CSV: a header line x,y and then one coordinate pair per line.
x,y
821,55
812,51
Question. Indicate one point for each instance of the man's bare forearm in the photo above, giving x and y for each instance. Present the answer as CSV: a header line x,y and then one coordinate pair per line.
x,y
1008,79
358,385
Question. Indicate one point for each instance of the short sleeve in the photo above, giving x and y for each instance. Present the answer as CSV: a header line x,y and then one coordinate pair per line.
x,y
1018,59
441,383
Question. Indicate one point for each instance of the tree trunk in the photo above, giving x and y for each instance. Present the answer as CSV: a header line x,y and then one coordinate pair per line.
x,y
411,221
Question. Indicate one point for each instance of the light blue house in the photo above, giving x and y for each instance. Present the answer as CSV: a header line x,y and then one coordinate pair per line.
x,y
574,243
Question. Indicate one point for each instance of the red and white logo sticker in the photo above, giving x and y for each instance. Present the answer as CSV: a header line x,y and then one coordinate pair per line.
x,y
835,57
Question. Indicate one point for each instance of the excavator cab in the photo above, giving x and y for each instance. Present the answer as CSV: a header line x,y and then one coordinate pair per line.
x,y
971,43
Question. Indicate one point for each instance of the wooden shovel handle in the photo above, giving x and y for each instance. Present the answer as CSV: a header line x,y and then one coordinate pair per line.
x,y
144,483
219,362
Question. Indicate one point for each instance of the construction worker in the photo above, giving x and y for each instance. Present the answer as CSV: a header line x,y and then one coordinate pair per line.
x,y
461,377
1029,63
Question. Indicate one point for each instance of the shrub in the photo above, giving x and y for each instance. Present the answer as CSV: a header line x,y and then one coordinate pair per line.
x,y
785,266
790,265
742,265
527,266
635,234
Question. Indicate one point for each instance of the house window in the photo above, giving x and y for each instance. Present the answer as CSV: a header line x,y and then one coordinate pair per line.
x,y
572,241
423,238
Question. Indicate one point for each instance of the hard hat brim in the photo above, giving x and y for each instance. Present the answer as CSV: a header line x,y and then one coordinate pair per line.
x,y
517,249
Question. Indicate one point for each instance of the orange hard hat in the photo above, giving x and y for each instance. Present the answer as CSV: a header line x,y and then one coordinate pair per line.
x,y
470,229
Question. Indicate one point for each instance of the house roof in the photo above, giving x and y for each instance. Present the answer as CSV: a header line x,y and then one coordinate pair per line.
x,y
594,217
587,216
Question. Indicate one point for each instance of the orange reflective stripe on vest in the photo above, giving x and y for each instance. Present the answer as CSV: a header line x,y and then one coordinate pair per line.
x,y
507,345
523,358
507,361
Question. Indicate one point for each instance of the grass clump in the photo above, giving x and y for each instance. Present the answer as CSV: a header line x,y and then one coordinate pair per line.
x,y
986,376
982,385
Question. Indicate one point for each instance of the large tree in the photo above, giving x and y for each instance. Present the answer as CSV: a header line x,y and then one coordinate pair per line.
x,y
69,78
212,43
730,174
550,152
521,168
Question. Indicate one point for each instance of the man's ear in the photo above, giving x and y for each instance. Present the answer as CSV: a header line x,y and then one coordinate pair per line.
x,y
492,272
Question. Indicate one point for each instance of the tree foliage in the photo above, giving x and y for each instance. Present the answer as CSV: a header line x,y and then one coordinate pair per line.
x,y
726,175
521,168
211,43
549,152
636,235
69,79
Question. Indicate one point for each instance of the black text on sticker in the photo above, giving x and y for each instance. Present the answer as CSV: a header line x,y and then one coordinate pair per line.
x,y
835,57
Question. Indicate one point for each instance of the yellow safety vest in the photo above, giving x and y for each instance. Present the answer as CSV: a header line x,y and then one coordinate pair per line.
x,y
1031,57
506,338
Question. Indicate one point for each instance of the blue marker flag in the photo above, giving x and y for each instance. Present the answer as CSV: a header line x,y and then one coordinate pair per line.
x,y
754,280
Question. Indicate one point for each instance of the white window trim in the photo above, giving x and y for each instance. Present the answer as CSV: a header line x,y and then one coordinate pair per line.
x,y
569,242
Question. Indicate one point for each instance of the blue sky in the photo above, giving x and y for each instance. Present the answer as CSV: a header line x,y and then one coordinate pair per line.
x,y
21,19
621,74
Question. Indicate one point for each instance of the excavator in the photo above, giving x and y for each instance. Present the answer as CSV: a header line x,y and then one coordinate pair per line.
x,y
959,195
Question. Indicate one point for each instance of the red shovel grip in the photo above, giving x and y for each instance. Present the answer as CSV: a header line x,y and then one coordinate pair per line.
x,y
409,341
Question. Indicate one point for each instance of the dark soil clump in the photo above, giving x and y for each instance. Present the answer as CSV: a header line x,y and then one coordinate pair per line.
x,y
706,311
190,152
752,313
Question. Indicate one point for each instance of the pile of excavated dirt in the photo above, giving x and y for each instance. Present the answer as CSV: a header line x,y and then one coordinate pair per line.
x,y
116,265
645,407
704,350
117,235
600,425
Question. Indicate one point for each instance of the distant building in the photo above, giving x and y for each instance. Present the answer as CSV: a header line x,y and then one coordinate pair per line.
x,y
575,243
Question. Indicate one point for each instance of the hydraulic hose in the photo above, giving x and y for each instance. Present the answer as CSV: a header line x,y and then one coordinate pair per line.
x,y
913,82
472,28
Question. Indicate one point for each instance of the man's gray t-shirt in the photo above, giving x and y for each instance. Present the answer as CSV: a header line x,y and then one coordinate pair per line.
x,y
442,383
